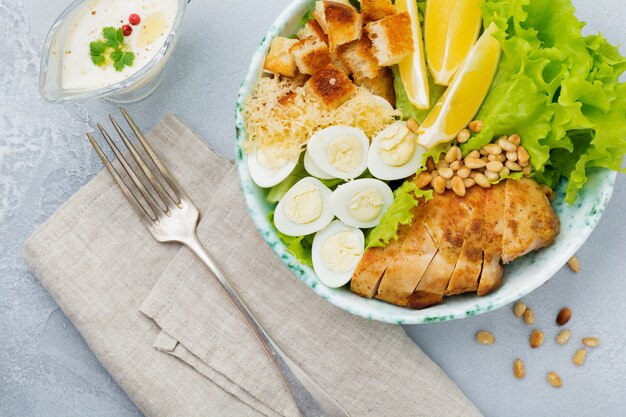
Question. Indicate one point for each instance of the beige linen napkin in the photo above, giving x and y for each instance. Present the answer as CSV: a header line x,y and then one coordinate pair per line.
x,y
166,332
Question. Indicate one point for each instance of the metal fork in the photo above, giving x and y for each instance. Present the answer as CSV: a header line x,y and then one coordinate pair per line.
x,y
171,216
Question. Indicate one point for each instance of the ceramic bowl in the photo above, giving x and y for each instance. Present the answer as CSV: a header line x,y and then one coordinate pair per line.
x,y
521,277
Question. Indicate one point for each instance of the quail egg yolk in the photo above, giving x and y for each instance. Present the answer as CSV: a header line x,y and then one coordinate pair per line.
x,y
342,252
397,146
345,153
304,203
270,157
366,205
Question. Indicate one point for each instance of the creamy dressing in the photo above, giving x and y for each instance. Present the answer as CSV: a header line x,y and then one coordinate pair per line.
x,y
147,38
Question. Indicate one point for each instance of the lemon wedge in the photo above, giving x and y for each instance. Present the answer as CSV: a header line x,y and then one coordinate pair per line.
x,y
413,68
462,100
451,28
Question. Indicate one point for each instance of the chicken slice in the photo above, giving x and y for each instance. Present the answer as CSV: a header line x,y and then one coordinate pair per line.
x,y
491,275
375,261
467,270
407,268
530,224
446,219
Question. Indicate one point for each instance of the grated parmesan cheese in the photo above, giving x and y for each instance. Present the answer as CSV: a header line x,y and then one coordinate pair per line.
x,y
281,116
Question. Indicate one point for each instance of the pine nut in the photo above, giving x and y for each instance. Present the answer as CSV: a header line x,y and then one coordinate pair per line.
x,y
439,185
522,155
412,125
554,380
451,156
493,149
458,186
485,338
591,341
464,172
519,309
511,156
446,172
563,337
456,165
485,158
492,158
501,158
513,166
474,163
442,164
448,184
527,171
579,357
476,126
495,166
483,151
563,317
505,172
515,139
536,339
529,316
435,174
506,145
474,154
574,264
491,176
423,179
469,183
482,180
463,136
430,165
549,193
519,370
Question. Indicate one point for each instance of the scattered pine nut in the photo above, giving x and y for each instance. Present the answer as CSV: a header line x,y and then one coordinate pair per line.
x,y
574,264
563,337
505,172
458,186
591,341
495,166
476,126
519,370
536,338
430,165
511,156
485,338
579,357
482,181
515,139
529,316
554,379
474,163
446,172
527,171
439,185
423,179
522,155
492,176
506,145
519,309
563,317
492,149
473,154
456,165
464,172
514,166
463,136
412,125
469,183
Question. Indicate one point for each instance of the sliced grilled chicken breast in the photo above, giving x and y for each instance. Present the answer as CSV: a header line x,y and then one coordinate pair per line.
x,y
530,224
491,275
407,268
469,265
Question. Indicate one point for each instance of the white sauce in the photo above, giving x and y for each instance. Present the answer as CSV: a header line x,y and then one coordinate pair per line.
x,y
147,38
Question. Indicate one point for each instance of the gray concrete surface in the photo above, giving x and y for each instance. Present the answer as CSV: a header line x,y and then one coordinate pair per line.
x,y
47,370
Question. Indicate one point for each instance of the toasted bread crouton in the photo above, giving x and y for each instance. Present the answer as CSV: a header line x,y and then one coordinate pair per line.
x,y
373,10
311,55
381,85
312,29
341,22
358,58
392,38
279,60
331,86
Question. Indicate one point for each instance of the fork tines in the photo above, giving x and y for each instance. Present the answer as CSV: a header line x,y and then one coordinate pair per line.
x,y
158,191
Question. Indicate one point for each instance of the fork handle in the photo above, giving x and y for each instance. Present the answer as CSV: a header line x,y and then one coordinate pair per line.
x,y
310,398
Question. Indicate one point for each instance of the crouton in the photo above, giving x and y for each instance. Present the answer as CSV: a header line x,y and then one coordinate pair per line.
x,y
279,60
392,38
358,57
312,29
311,55
331,86
320,16
381,85
340,21
373,10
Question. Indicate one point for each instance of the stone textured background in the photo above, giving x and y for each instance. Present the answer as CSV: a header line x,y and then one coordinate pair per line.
x,y
47,370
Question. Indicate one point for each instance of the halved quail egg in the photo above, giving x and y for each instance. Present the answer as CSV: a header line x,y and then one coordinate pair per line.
x,y
268,168
395,153
311,167
339,151
305,209
361,203
336,252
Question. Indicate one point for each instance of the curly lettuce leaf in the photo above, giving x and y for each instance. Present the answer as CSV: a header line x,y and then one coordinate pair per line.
x,y
402,99
299,246
406,197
